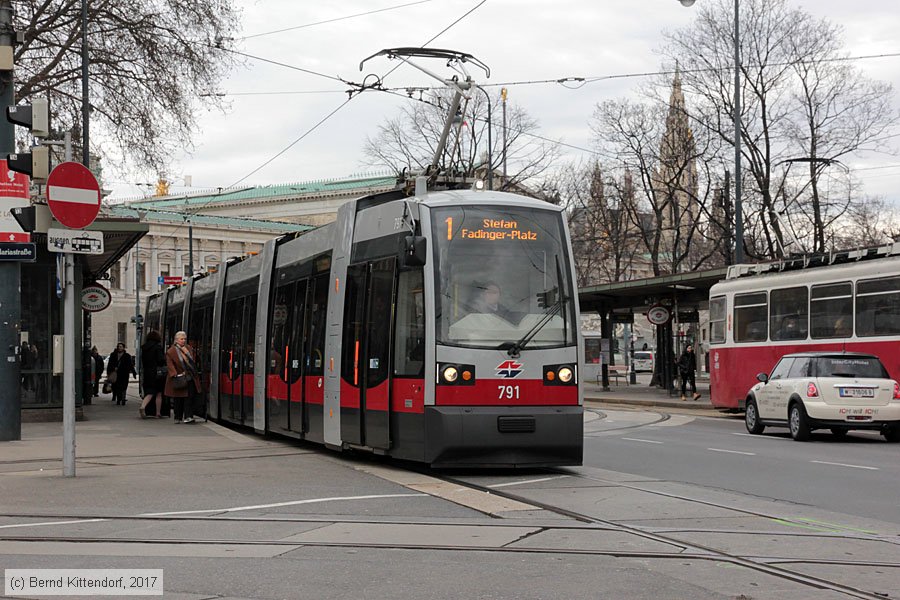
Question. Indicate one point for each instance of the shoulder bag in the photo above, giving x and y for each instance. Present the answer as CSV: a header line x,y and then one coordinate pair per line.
x,y
181,380
162,371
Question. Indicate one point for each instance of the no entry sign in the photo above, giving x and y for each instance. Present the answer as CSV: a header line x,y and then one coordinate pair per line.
x,y
73,195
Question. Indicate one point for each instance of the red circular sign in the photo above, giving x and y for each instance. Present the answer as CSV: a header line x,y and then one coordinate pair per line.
x,y
73,195
95,297
658,314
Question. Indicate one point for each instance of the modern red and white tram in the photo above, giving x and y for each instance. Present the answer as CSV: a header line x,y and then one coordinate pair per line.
x,y
849,301
373,333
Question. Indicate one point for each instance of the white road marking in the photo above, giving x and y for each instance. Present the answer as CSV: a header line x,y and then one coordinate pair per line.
x,y
500,485
278,504
51,523
732,451
640,440
759,437
825,462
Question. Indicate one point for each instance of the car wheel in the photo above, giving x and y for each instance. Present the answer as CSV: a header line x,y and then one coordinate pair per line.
x,y
839,432
751,418
799,422
892,434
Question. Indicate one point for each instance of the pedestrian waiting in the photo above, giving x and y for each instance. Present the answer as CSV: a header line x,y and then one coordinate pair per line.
x,y
155,370
183,380
687,368
119,366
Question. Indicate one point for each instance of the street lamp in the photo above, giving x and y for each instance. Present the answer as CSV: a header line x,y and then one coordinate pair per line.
x,y
490,147
738,213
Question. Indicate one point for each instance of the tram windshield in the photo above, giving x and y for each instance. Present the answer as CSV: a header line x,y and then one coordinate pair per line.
x,y
502,278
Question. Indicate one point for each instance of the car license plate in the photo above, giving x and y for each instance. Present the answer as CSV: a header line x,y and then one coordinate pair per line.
x,y
856,393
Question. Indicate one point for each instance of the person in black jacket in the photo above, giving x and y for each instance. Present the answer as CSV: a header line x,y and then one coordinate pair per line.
x,y
98,369
119,366
687,366
153,364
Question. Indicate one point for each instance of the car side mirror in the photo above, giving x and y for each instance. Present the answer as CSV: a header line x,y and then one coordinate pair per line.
x,y
763,378
413,251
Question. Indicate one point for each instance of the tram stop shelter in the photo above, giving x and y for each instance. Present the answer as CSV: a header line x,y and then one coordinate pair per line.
x,y
683,294
40,390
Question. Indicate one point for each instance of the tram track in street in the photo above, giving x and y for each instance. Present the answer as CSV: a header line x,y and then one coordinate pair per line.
x,y
663,417
755,563
774,566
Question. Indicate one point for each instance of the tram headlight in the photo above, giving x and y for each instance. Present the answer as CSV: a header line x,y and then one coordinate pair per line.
x,y
450,374
560,374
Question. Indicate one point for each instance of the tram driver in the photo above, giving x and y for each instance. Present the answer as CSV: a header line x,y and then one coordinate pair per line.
x,y
487,301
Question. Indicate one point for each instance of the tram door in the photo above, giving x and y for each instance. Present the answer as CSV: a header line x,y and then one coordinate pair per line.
x,y
369,317
238,357
285,384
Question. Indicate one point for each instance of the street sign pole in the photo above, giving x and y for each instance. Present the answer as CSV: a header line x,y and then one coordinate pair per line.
x,y
10,272
69,368
73,196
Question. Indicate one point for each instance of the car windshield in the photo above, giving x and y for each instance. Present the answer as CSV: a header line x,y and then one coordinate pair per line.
x,y
502,277
839,366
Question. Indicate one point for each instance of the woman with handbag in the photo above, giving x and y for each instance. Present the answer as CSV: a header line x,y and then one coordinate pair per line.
x,y
119,366
183,380
153,361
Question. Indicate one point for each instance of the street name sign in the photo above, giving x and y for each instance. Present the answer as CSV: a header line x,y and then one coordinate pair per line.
x,y
15,251
73,195
76,242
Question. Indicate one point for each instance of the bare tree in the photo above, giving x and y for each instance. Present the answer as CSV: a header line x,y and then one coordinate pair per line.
x,y
676,178
150,63
871,222
605,240
798,99
409,140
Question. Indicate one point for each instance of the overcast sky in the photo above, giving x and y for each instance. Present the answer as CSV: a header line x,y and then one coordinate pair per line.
x,y
521,41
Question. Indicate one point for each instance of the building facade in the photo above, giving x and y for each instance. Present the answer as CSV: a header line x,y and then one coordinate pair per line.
x,y
223,224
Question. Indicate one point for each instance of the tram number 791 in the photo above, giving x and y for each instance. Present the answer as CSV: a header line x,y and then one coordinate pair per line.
x,y
508,392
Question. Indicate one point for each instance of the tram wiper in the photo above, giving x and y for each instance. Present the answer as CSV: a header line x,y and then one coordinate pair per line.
x,y
553,298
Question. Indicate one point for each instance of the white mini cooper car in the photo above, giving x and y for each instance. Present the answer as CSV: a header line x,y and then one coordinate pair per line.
x,y
825,390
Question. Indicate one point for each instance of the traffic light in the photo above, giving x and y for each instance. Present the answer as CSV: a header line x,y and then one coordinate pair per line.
x,y
36,117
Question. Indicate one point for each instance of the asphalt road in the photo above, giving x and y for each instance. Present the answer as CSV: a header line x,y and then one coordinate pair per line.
x,y
859,475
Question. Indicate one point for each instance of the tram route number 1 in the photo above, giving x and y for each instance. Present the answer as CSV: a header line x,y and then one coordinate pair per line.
x,y
508,392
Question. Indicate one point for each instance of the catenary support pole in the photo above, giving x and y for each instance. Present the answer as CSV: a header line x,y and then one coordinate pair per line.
x,y
138,324
10,272
738,209
85,90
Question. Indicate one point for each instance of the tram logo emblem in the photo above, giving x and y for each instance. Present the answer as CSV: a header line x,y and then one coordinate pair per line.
x,y
509,369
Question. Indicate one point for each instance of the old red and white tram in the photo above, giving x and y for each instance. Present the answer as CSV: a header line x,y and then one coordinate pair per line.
x,y
847,301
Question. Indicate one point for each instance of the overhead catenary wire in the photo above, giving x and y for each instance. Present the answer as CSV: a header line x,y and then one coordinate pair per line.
x,y
335,20
196,210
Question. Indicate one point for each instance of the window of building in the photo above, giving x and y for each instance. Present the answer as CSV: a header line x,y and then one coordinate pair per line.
x,y
788,313
142,275
751,316
115,276
878,306
831,310
165,269
717,310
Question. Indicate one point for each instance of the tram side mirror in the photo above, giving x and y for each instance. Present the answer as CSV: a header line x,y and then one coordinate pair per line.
x,y
413,251
762,377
